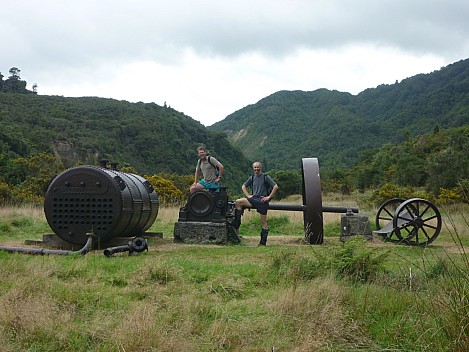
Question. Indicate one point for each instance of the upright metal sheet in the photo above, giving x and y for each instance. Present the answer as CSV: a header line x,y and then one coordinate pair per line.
x,y
312,199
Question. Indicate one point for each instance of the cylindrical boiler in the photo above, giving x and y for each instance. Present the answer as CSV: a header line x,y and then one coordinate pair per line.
x,y
95,199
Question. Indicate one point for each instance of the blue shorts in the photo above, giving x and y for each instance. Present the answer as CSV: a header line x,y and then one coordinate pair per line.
x,y
212,185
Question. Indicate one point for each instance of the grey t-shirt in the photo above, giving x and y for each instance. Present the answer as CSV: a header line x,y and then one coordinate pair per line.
x,y
208,171
259,184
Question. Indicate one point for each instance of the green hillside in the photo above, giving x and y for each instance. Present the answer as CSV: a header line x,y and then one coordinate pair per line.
x,y
338,128
335,126
149,137
435,160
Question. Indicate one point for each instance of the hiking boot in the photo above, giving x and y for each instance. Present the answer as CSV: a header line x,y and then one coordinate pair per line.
x,y
264,234
236,223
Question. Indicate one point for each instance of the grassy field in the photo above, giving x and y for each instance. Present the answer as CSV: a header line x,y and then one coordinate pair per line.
x,y
288,296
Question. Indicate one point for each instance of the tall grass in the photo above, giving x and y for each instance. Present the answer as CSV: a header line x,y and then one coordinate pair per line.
x,y
288,296
451,273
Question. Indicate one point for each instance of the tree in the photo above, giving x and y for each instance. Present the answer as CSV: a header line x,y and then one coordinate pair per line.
x,y
13,84
15,73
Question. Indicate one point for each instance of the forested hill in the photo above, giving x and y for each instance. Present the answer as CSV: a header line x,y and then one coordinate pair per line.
x,y
149,137
335,126
279,130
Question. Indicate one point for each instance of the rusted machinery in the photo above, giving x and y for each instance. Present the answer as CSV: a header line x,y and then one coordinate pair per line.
x,y
415,221
136,245
106,202
206,206
96,203
214,206
312,207
205,218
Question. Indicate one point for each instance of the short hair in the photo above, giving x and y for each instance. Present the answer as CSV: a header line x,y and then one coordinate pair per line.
x,y
202,148
257,162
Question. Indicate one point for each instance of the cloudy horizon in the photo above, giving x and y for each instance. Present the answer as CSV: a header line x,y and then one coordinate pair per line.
x,y
210,58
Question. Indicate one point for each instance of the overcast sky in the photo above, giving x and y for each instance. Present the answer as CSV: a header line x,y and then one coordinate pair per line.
x,y
209,58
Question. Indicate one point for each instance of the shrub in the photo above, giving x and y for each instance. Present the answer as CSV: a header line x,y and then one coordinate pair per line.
x,y
448,196
168,193
389,191
358,262
5,193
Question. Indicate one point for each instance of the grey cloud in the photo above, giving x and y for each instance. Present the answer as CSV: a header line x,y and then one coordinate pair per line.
x,y
57,33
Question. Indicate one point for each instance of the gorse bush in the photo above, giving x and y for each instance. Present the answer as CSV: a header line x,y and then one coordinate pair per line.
x,y
389,191
168,193
450,196
5,193
445,196
32,176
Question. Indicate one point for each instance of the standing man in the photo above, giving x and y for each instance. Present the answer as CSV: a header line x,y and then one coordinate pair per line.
x,y
263,189
211,169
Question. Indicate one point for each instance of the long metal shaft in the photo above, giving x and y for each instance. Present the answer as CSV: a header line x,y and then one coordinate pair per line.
x,y
42,251
296,207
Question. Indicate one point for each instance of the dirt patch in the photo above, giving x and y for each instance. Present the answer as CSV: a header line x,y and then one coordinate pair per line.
x,y
167,244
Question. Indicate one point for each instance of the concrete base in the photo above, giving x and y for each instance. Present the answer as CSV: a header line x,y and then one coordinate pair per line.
x,y
355,225
200,232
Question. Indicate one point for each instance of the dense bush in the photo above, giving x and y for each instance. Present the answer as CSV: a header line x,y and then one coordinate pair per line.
x,y
34,174
432,162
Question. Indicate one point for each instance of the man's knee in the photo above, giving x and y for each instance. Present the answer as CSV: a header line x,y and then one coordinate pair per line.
x,y
196,187
242,203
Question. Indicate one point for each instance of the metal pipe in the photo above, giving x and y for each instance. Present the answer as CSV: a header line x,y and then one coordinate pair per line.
x,y
326,209
138,244
42,251
108,252
290,207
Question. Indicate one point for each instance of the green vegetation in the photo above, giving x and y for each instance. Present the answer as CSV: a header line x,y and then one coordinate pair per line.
x,y
287,296
362,142
34,174
14,84
150,138
433,166
434,161
335,127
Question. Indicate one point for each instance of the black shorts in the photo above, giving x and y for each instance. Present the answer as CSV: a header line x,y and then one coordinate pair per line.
x,y
256,203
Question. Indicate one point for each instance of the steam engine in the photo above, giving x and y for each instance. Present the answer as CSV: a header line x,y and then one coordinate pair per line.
x,y
206,206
